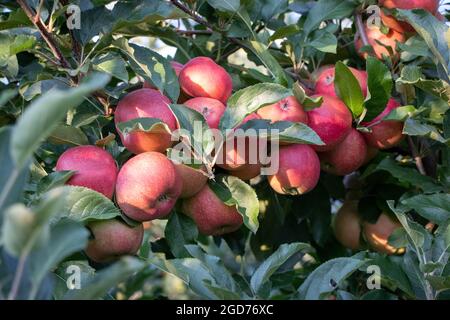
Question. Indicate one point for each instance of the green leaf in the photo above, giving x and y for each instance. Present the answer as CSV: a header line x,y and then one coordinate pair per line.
x,y
307,103
225,5
234,192
284,32
271,64
150,65
434,207
263,273
348,89
106,279
433,32
12,179
68,135
409,175
66,238
180,231
249,100
53,180
328,277
43,86
10,45
84,204
439,283
67,269
290,132
401,113
154,125
324,42
327,10
380,87
113,64
43,115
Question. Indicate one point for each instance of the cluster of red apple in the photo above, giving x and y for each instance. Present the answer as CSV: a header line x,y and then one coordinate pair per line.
x,y
384,43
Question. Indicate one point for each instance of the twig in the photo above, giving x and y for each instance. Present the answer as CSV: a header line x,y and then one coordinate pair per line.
x,y
198,18
361,29
76,48
192,32
46,35
417,157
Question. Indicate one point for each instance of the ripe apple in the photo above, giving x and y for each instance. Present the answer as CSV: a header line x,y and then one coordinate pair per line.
x,y
240,153
325,81
95,168
347,157
193,180
202,77
392,23
299,170
371,153
377,235
347,227
332,121
145,103
429,5
148,185
385,134
112,239
288,109
211,215
211,109
380,42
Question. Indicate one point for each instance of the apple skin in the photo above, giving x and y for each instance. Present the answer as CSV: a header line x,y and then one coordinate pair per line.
x,y
325,81
211,109
347,227
371,154
377,235
193,180
374,36
148,185
385,134
202,77
347,157
210,214
332,121
429,5
299,170
288,109
392,23
145,103
112,239
95,168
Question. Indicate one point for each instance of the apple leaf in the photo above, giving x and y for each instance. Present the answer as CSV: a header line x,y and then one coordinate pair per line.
x,y
434,207
180,231
42,117
348,89
380,86
235,192
249,100
327,277
83,204
307,102
225,5
284,131
53,180
153,125
68,135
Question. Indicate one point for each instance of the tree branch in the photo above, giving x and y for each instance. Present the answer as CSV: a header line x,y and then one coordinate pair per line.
x,y
416,156
361,30
46,35
198,18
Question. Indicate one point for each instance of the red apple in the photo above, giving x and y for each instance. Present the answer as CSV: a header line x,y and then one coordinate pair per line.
x,y
148,185
325,81
113,239
380,42
240,153
211,215
332,121
392,23
299,170
211,109
371,154
385,134
145,103
247,172
202,77
193,180
377,235
95,168
347,227
429,5
347,156
287,109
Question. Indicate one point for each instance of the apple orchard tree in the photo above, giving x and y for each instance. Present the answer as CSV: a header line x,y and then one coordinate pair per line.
x,y
253,149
